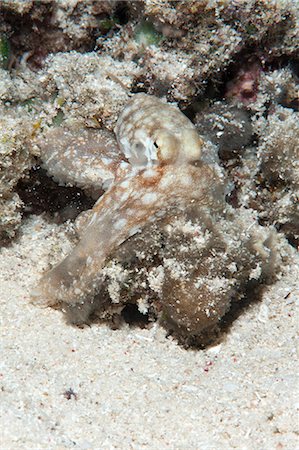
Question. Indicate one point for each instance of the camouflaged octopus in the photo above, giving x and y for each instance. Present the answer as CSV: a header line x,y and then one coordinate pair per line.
x,y
155,185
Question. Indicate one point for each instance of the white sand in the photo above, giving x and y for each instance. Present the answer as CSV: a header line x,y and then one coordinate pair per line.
x,y
137,389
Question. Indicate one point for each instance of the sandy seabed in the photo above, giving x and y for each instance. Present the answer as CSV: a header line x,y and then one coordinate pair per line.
x,y
93,388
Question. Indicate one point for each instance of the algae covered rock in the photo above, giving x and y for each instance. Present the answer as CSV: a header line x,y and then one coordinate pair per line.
x,y
92,88
227,126
198,40
15,159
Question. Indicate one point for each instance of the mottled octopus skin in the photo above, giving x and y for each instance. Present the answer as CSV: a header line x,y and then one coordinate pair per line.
x,y
161,145
87,158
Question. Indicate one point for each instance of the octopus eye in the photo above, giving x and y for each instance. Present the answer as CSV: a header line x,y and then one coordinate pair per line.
x,y
191,144
167,147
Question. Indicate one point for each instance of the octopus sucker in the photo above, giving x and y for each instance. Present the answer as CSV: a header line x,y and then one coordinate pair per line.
x,y
159,191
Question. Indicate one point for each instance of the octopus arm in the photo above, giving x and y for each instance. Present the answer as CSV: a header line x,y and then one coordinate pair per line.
x,y
86,158
125,209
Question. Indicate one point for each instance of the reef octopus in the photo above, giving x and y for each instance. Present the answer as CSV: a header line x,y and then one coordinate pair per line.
x,y
163,222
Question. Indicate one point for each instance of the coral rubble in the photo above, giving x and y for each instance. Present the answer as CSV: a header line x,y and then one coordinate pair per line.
x,y
15,158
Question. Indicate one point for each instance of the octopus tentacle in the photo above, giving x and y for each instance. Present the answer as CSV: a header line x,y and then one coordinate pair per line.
x,y
86,158
122,212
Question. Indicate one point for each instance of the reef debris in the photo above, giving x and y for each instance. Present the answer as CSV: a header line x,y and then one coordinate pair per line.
x,y
16,157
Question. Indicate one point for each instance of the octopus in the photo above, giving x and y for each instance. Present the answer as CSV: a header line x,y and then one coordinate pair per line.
x,y
161,217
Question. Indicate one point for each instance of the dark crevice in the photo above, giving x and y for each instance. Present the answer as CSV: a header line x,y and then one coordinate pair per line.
x,y
134,317
40,194
122,12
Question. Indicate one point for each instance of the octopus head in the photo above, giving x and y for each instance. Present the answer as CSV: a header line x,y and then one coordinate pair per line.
x,y
151,132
